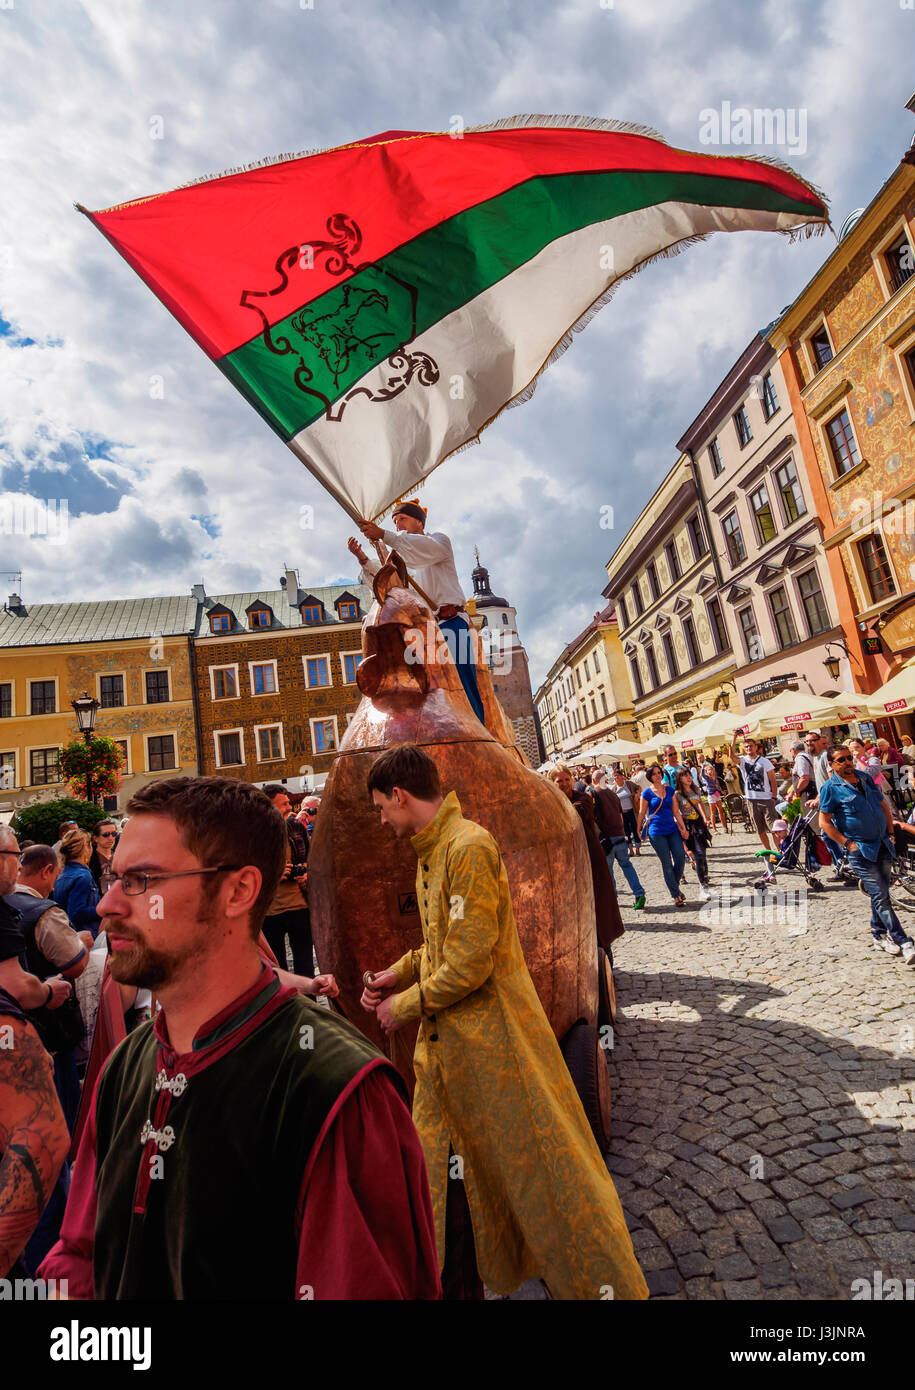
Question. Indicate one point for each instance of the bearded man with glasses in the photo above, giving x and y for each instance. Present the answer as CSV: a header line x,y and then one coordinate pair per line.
x,y
856,816
246,1144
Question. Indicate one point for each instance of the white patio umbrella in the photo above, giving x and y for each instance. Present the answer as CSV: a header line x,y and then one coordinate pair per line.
x,y
704,729
617,748
792,709
897,696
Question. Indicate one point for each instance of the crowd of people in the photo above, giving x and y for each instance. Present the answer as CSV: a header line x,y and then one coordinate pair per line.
x,y
234,1136
680,803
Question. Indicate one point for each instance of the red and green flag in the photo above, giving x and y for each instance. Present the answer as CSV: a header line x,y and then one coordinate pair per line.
x,y
380,303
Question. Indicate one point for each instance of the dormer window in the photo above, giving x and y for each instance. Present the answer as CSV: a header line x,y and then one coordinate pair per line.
x,y
347,612
219,622
259,617
347,607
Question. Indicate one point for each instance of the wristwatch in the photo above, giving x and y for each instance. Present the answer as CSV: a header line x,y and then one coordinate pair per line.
x,y
50,995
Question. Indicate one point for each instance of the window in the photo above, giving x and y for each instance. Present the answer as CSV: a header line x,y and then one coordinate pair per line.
x,y
7,771
43,699
692,646
578,676
842,443
652,665
876,568
769,396
909,360
43,766
263,678
637,599
737,551
742,425
782,616
347,612
351,663
316,671
111,691
160,752
714,453
595,657
789,490
696,536
900,263
225,682
762,514
719,631
268,744
672,670
6,700
593,710
260,617
324,735
157,691
622,613
653,584
752,641
125,749
219,622
229,749
821,347
636,676
311,613
814,605
673,561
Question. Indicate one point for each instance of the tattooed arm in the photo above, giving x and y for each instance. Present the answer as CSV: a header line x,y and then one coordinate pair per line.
x,y
33,1136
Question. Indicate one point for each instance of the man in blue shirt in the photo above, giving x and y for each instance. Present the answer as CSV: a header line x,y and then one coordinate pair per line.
x,y
672,766
855,815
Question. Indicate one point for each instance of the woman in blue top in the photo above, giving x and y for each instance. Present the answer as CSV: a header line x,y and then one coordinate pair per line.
x,y
666,831
75,890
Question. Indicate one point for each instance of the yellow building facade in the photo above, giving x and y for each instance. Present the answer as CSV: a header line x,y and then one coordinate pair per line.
x,y
143,685
663,585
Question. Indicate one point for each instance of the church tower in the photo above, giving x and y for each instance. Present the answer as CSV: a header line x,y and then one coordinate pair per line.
x,y
496,621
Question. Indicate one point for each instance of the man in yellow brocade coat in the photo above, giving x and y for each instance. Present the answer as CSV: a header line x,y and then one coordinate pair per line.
x,y
492,1087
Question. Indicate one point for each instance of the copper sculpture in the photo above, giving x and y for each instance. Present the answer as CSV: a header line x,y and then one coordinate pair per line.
x,y
362,881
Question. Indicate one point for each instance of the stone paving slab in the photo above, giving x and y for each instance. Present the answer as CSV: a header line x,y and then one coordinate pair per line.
x,y
763,1088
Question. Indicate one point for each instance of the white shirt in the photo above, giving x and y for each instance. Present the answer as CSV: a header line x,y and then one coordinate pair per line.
x,y
756,777
430,560
641,780
803,767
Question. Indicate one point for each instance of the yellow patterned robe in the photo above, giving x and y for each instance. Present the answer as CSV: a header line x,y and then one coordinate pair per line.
x,y
492,1084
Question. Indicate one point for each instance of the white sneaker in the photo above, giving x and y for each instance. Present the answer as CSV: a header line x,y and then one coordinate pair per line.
x,y
908,953
886,943
705,896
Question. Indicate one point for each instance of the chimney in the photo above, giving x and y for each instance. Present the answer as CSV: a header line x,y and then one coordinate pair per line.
x,y
14,603
198,591
290,582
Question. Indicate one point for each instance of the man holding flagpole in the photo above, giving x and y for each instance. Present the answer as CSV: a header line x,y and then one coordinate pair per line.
x,y
432,559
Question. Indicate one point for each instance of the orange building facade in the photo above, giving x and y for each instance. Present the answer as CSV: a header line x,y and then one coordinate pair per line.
x,y
847,352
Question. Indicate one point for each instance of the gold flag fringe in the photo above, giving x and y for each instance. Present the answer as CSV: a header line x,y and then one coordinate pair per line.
x,y
556,122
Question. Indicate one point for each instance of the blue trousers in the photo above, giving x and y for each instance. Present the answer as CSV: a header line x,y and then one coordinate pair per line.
x,y
875,876
618,853
671,851
456,632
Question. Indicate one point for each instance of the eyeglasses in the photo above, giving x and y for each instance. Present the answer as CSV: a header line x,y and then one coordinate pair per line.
x,y
16,853
133,883
311,810
843,758
106,834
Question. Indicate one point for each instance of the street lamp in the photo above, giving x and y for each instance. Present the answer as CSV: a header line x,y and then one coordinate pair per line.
x,y
86,709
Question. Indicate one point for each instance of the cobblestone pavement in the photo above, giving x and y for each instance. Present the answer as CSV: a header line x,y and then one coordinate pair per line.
x,y
764,1090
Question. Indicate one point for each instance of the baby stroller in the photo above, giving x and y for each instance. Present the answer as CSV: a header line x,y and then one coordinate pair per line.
x,y
801,837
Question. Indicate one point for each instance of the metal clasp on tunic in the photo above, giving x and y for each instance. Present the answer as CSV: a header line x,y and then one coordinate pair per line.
x,y
162,1138
176,1085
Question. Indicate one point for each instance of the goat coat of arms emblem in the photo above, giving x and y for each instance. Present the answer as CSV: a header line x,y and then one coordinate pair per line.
x,y
367,320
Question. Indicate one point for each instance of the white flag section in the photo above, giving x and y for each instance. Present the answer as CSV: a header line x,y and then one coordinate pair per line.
x,y
490,351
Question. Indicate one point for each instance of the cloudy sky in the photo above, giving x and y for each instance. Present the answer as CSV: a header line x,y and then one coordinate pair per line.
x,y
169,478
